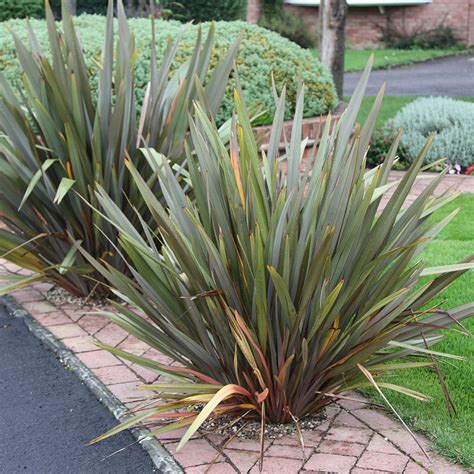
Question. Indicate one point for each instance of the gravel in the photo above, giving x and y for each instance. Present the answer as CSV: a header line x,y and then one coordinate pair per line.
x,y
60,297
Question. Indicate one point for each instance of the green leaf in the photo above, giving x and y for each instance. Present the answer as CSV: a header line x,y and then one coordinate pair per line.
x,y
283,295
34,181
132,421
423,350
68,259
447,269
64,186
21,283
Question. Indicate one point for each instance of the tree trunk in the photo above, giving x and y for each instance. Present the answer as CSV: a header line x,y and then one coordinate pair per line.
x,y
71,6
332,23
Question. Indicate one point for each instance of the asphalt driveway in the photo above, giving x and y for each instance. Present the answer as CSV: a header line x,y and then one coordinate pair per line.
x,y
47,415
451,76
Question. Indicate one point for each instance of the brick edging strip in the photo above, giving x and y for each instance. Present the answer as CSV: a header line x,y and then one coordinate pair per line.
x,y
163,461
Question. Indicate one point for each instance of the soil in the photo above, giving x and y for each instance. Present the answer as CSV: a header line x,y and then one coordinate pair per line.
x,y
60,297
251,429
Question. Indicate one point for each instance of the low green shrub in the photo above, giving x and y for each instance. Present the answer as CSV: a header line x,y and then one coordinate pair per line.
x,y
58,142
290,25
437,37
272,292
21,9
450,121
205,10
380,144
263,54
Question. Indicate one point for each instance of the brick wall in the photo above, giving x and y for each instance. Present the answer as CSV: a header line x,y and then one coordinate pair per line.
x,y
364,23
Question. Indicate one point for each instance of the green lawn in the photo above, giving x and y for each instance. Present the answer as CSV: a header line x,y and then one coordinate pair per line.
x,y
452,436
356,59
390,106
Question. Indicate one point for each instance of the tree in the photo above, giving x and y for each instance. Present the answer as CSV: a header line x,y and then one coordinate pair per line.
x,y
72,7
332,23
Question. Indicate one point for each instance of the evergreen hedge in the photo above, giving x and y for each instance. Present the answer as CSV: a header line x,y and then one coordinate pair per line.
x,y
262,54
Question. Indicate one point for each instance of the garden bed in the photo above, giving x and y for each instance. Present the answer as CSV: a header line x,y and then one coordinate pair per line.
x,y
354,435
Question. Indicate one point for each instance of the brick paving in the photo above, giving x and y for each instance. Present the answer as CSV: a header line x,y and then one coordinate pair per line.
x,y
451,183
355,438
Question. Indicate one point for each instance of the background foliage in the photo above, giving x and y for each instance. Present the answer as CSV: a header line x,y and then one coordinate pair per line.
x,y
380,144
290,25
421,37
205,10
263,54
98,7
21,9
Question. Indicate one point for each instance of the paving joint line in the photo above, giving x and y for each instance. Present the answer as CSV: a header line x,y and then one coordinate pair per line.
x,y
221,452
363,451
375,430
161,458
324,433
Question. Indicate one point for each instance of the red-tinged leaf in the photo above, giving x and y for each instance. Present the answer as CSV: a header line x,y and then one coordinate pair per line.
x,y
262,396
224,393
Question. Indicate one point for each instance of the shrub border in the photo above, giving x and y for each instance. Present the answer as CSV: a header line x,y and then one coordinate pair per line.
x,y
163,461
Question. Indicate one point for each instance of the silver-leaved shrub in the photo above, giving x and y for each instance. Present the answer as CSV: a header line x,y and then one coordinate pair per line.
x,y
450,121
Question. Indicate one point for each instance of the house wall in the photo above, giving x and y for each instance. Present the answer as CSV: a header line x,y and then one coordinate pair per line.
x,y
364,24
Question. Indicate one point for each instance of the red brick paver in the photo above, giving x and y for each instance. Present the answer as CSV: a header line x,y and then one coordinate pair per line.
x,y
330,462
63,331
200,452
80,344
344,448
97,359
381,445
387,462
278,466
451,183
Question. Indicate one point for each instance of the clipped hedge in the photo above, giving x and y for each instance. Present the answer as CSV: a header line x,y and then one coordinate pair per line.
x,y
21,9
451,121
262,54
206,10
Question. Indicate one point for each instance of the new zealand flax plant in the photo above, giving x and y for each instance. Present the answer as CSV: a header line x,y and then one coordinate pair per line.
x,y
275,293
58,142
